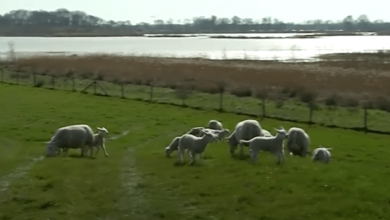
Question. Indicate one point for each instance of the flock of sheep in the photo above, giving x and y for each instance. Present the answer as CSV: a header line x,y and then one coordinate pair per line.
x,y
246,133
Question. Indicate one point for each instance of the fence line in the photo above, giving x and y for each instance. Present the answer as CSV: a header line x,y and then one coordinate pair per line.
x,y
222,102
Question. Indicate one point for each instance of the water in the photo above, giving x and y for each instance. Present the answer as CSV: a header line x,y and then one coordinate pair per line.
x,y
201,46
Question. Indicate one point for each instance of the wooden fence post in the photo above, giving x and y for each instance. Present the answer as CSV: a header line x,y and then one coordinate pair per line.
x,y
122,90
365,120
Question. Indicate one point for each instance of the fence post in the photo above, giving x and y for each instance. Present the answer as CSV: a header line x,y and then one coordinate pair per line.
x,y
94,87
365,120
73,84
122,91
17,77
34,79
263,107
151,92
52,82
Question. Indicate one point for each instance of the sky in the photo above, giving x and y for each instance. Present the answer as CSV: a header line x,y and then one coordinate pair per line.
x,y
149,10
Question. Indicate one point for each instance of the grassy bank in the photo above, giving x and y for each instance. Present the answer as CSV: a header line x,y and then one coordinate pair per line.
x,y
138,182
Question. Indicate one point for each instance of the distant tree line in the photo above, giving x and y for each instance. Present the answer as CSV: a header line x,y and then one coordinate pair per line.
x,y
63,22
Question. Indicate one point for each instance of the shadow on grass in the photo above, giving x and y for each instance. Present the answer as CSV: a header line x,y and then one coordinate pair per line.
x,y
77,156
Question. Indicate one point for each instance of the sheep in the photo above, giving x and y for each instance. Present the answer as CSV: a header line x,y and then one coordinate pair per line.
x,y
196,131
298,142
194,145
214,124
244,130
100,140
321,154
265,133
273,144
72,136
172,146
221,134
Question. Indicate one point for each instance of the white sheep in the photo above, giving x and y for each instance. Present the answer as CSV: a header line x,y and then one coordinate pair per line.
x,y
214,124
321,154
298,142
196,131
221,134
100,140
244,130
194,145
273,144
265,133
72,136
174,145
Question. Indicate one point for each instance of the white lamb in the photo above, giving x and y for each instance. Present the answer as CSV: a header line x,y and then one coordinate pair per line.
x,y
214,124
100,140
196,131
194,145
322,154
72,136
221,134
271,144
298,142
174,145
244,130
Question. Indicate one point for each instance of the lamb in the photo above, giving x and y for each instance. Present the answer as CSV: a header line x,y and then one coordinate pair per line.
x,y
72,136
196,131
214,124
298,142
271,144
100,140
194,145
321,154
244,130
221,134
174,145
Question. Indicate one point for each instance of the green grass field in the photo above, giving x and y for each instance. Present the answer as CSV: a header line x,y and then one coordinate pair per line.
x,y
137,182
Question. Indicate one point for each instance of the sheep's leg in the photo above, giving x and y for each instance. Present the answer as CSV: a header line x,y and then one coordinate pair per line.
x,y
192,158
179,155
96,153
241,149
254,155
104,149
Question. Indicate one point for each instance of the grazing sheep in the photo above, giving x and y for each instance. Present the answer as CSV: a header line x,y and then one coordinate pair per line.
x,y
214,124
174,145
298,142
72,136
321,154
196,131
265,133
100,140
271,144
245,130
194,145
221,134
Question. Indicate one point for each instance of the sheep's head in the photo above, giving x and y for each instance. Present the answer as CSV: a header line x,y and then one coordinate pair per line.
x,y
103,131
51,148
222,134
210,136
231,140
282,133
167,152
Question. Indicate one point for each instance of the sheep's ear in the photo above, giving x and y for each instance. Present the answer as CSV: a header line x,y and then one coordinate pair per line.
x,y
47,142
276,129
99,128
329,148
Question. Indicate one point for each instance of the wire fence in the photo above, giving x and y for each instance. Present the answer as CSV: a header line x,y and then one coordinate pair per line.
x,y
353,118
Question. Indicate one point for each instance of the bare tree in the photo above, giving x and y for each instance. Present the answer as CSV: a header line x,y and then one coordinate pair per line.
x,y
221,87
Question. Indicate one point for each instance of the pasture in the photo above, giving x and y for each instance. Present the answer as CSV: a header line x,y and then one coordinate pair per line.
x,y
137,182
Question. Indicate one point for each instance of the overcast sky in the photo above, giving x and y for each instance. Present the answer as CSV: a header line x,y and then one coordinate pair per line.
x,y
150,10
